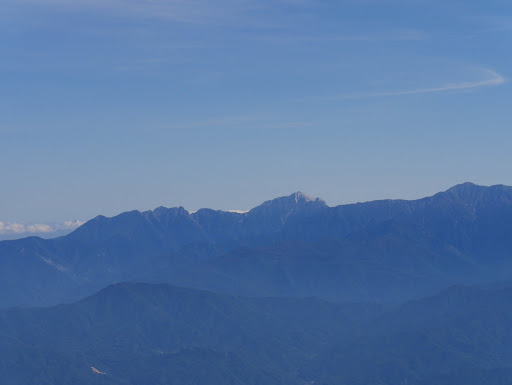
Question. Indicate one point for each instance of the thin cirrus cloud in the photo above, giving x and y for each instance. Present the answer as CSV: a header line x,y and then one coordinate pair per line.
x,y
381,36
239,13
493,79
192,11
214,12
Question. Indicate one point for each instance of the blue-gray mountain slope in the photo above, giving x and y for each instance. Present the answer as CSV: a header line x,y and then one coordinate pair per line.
x,y
160,334
290,246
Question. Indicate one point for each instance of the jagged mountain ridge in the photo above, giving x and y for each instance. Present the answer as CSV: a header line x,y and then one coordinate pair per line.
x,y
295,245
203,225
177,227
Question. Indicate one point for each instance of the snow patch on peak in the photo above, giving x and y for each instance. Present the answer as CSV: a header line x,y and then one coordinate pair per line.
x,y
299,195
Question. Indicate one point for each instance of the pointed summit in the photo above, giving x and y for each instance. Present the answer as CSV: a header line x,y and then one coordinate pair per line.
x,y
301,197
297,199
280,209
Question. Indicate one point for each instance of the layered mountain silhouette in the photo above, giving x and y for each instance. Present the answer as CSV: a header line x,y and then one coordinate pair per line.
x,y
386,292
292,246
459,336
160,334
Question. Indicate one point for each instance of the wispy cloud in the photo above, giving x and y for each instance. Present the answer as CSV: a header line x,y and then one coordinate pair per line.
x,y
260,121
71,225
492,79
187,11
269,13
492,24
39,228
384,36
12,228
21,229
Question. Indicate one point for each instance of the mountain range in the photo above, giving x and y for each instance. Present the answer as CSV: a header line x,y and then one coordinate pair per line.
x,y
294,246
292,292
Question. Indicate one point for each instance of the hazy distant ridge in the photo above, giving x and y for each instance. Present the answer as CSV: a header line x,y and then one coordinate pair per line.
x,y
291,246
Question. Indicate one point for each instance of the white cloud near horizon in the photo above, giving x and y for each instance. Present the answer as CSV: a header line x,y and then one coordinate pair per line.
x,y
73,224
39,228
493,79
10,228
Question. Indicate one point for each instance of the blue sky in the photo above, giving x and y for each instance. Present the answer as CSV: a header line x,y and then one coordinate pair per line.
x,y
113,105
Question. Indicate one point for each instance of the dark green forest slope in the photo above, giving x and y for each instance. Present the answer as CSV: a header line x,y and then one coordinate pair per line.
x,y
159,334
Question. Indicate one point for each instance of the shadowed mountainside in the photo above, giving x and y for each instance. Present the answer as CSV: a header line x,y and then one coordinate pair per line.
x,y
160,334
290,246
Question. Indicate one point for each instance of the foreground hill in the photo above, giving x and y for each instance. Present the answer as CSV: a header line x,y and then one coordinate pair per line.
x,y
460,336
290,246
160,334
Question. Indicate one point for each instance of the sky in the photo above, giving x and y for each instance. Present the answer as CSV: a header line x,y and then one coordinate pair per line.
x,y
114,105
